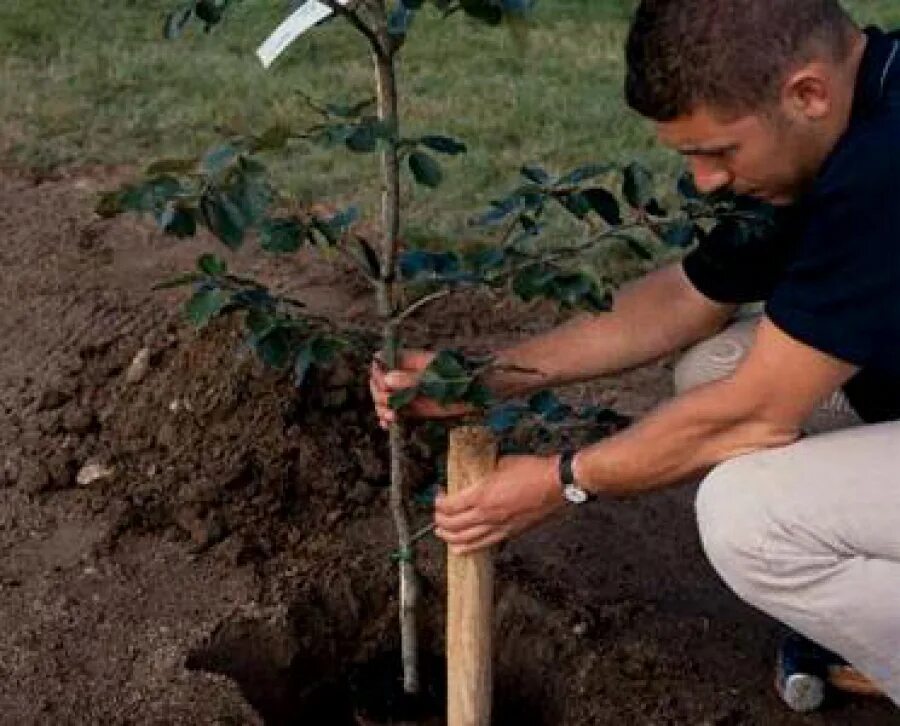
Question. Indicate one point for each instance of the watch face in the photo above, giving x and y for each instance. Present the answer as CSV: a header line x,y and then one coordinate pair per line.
x,y
575,495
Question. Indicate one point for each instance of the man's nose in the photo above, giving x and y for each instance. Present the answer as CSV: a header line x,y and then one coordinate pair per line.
x,y
709,178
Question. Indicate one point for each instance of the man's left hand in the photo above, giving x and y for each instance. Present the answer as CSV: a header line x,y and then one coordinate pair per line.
x,y
521,492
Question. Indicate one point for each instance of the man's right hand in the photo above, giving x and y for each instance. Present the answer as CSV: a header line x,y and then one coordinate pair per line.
x,y
383,383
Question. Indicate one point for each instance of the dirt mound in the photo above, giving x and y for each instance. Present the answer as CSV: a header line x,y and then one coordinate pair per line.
x,y
169,510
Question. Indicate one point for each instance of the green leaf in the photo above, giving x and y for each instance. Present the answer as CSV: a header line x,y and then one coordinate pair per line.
x,y
259,321
505,418
517,7
255,298
549,407
687,188
223,218
366,256
204,305
151,195
532,282
485,262
483,10
335,227
177,20
171,166
655,208
425,169
583,174
367,134
281,236
478,395
319,351
334,134
251,192
637,186
177,221
500,210
636,246
212,265
417,264
403,398
274,138
210,11
274,347
443,144
570,288
217,159
679,234
400,19
604,204
576,203
446,379
535,174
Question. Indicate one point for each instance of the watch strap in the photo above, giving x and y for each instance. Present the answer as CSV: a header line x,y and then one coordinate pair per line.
x,y
567,475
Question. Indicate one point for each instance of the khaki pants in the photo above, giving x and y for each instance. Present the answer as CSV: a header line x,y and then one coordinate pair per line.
x,y
810,533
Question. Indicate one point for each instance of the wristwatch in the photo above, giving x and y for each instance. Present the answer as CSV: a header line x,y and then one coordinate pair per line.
x,y
573,493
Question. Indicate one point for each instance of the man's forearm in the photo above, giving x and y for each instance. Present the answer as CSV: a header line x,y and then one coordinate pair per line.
x,y
684,437
656,316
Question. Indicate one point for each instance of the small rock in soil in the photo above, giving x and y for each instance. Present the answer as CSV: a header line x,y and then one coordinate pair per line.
x,y
203,531
52,399
167,436
93,473
137,371
78,420
10,473
62,471
34,478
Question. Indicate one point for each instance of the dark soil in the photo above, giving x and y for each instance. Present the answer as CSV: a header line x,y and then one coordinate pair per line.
x,y
188,539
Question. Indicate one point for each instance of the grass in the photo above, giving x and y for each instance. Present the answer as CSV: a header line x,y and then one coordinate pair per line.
x,y
90,81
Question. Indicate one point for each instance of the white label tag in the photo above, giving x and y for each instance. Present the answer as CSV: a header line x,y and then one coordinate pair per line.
x,y
301,20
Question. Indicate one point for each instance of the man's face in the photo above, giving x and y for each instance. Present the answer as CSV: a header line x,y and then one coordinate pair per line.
x,y
768,156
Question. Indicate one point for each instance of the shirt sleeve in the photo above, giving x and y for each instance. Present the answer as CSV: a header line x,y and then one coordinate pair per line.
x,y
740,266
840,293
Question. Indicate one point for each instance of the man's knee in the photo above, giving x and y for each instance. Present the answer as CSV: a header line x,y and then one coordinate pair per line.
x,y
715,358
733,524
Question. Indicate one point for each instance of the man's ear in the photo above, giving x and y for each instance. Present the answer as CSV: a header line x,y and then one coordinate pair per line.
x,y
808,92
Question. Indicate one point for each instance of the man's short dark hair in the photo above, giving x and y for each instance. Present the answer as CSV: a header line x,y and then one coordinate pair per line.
x,y
731,55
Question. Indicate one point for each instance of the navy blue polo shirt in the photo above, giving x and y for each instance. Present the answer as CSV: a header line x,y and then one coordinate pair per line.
x,y
830,272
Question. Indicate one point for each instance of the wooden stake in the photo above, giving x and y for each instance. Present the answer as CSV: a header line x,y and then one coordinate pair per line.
x,y
470,593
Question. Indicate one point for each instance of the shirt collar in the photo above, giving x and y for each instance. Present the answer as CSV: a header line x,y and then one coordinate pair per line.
x,y
881,57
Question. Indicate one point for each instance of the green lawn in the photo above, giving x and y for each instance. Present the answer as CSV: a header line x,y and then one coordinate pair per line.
x,y
91,81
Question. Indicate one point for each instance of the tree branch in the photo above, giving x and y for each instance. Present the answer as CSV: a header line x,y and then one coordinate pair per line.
x,y
422,302
355,19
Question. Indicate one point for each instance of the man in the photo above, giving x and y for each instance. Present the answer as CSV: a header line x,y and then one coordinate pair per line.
x,y
789,102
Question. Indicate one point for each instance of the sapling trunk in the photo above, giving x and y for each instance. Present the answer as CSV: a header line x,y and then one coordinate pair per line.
x,y
387,298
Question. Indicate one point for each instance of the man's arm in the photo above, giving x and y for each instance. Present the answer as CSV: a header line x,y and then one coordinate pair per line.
x,y
651,318
762,405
